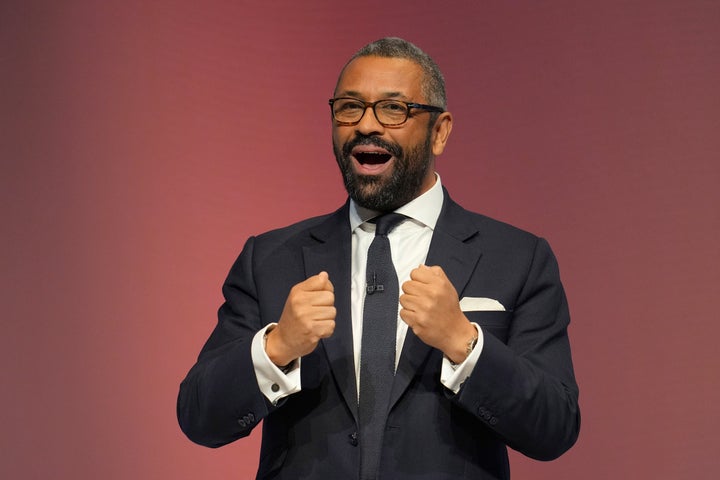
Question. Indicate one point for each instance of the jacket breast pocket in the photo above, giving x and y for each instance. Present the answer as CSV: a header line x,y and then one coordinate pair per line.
x,y
496,323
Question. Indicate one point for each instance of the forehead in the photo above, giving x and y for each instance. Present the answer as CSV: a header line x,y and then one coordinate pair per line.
x,y
372,78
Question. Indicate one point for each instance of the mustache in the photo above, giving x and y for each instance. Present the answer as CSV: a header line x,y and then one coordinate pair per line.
x,y
393,148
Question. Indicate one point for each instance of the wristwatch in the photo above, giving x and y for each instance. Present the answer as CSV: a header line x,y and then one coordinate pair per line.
x,y
471,345
468,350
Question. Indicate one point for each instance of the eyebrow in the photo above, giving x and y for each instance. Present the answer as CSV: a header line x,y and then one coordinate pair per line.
x,y
353,93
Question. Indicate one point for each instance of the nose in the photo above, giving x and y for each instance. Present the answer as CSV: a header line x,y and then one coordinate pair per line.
x,y
369,124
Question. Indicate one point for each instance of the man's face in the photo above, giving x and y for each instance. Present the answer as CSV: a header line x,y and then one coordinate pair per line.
x,y
385,167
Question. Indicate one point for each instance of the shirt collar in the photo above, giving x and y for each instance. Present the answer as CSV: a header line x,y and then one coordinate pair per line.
x,y
424,209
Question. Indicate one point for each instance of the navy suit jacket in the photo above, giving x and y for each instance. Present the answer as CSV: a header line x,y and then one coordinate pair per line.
x,y
522,392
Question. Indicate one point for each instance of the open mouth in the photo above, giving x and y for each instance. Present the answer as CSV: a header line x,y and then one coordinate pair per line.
x,y
372,158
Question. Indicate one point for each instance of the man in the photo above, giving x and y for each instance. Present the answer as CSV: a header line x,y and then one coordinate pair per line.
x,y
478,347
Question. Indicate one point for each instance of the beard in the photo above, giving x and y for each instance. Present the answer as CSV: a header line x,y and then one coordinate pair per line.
x,y
385,192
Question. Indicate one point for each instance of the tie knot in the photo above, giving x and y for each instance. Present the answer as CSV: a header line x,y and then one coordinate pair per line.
x,y
385,223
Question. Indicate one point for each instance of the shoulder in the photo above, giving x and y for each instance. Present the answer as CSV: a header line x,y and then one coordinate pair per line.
x,y
506,250
281,249
304,232
282,234
490,230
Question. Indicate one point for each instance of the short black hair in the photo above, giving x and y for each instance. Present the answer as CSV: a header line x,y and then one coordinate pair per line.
x,y
433,85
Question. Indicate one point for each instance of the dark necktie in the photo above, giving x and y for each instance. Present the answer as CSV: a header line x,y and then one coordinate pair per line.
x,y
377,351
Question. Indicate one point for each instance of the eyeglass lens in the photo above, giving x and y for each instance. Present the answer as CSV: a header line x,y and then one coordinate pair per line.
x,y
387,112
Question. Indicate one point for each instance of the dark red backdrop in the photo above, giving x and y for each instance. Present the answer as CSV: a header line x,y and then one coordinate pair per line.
x,y
142,142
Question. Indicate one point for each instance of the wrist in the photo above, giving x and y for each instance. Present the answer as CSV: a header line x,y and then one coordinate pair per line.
x,y
270,342
464,345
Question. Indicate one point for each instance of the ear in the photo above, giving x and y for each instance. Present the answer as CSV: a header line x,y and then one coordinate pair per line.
x,y
441,132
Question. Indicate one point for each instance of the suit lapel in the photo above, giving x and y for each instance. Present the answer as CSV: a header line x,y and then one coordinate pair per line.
x,y
453,247
331,252
454,244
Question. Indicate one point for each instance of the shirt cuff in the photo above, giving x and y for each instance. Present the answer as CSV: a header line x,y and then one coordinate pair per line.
x,y
274,383
452,375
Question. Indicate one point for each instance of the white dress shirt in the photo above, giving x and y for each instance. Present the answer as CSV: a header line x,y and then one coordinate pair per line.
x,y
409,245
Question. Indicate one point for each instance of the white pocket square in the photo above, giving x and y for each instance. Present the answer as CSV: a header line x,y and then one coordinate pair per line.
x,y
480,304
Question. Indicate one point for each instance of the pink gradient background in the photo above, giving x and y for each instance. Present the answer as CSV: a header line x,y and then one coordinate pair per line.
x,y
142,142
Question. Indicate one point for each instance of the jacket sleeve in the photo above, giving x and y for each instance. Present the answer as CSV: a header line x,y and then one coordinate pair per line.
x,y
219,400
524,389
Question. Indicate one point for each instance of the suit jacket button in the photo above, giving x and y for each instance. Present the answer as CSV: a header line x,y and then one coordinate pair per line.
x,y
353,439
275,387
247,420
242,423
493,421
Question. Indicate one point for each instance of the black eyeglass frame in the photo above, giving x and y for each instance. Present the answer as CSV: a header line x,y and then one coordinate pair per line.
x,y
409,105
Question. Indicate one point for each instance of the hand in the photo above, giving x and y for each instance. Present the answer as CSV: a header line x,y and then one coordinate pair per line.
x,y
308,316
431,308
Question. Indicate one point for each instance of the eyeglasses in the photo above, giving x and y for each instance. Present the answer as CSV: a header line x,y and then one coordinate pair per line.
x,y
349,111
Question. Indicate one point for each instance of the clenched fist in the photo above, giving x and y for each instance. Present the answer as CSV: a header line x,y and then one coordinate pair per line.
x,y
431,308
308,316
